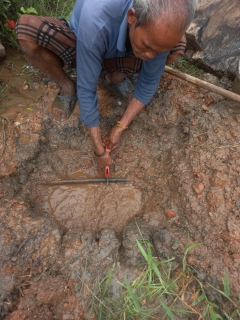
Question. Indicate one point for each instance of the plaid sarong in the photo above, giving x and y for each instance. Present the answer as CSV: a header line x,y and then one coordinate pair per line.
x,y
51,33
55,35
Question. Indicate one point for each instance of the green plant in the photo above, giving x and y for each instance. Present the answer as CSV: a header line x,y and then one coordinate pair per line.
x,y
30,10
4,8
13,9
159,293
187,67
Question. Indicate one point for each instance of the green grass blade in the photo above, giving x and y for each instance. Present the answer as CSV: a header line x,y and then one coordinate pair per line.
x,y
108,279
226,285
213,304
143,252
212,314
186,252
205,312
168,310
132,296
199,299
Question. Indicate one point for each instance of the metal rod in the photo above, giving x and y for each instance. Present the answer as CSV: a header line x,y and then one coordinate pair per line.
x,y
78,181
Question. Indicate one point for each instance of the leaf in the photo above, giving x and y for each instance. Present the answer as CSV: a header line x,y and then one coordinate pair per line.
x,y
236,312
168,311
205,311
226,285
213,304
132,296
212,314
199,299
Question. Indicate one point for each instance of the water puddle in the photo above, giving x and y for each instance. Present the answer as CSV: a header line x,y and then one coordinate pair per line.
x,y
95,206
20,85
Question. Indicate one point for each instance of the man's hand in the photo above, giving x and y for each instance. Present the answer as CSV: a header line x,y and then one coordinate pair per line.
x,y
98,148
113,141
104,161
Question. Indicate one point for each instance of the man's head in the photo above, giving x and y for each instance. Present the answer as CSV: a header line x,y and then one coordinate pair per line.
x,y
158,25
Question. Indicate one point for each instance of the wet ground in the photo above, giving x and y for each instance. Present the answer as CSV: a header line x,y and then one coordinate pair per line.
x,y
182,157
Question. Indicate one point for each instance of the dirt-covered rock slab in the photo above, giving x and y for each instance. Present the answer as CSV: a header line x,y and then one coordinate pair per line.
x,y
213,36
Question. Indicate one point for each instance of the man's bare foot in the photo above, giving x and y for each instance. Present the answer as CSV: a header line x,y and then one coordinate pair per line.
x,y
63,107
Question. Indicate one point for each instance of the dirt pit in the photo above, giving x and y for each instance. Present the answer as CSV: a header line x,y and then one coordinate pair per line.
x,y
95,207
182,157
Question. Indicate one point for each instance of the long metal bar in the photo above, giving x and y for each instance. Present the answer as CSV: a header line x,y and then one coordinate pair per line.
x,y
78,181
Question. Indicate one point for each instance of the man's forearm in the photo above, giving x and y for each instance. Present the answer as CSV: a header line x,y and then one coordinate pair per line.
x,y
133,109
96,139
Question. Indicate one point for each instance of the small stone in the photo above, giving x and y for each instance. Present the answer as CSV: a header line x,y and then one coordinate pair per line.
x,y
234,134
175,246
205,108
201,176
208,100
25,87
236,256
198,187
238,203
185,129
170,214
68,316
194,122
65,305
237,117
218,179
13,259
191,260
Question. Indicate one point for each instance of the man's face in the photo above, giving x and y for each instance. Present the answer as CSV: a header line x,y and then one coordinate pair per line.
x,y
149,40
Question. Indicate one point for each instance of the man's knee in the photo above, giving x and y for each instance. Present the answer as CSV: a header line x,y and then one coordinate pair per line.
x,y
29,48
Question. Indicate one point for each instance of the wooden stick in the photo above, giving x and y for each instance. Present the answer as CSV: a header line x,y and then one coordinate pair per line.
x,y
206,85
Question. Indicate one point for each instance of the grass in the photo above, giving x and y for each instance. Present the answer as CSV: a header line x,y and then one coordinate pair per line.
x,y
159,292
53,8
187,67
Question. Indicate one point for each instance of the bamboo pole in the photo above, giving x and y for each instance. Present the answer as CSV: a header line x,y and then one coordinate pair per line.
x,y
206,85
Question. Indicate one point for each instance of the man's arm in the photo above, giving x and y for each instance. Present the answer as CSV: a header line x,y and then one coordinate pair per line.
x,y
133,109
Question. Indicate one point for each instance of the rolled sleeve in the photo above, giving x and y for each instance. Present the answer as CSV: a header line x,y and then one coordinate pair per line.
x,y
149,77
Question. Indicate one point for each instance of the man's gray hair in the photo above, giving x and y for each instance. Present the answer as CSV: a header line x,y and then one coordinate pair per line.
x,y
150,10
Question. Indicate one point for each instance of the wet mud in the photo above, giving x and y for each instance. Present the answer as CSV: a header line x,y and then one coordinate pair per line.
x,y
182,157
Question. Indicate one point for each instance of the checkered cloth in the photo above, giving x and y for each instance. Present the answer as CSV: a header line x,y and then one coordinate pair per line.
x,y
51,33
55,35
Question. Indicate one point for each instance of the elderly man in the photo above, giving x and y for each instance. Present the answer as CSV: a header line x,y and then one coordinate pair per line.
x,y
121,37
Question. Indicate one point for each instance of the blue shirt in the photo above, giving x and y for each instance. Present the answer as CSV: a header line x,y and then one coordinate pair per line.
x,y
100,27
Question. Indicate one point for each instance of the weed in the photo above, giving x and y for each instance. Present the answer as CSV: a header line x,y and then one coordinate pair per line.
x,y
159,292
187,67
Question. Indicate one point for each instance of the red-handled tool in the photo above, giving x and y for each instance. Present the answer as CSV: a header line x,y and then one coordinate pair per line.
x,y
107,169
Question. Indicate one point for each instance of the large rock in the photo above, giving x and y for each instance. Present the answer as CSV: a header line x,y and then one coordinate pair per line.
x,y
214,36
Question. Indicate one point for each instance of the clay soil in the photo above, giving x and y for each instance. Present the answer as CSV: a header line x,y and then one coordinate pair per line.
x,y
182,157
